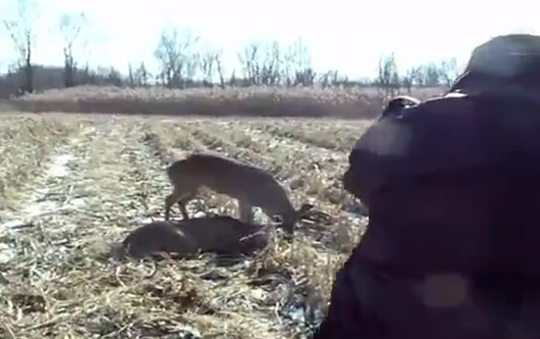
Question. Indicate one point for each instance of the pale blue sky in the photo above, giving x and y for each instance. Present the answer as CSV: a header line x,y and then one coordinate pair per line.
x,y
346,35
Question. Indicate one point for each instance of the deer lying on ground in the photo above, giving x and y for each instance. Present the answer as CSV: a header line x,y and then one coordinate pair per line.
x,y
249,185
219,234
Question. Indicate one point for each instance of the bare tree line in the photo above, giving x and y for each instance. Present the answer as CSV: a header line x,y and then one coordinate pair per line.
x,y
183,63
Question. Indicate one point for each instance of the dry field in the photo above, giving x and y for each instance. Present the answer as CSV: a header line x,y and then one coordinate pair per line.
x,y
346,103
71,184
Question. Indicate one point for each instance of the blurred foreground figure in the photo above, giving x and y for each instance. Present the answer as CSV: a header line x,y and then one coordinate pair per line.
x,y
452,250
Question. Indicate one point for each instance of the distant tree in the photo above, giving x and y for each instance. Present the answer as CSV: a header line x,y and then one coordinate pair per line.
x,y
332,78
176,58
297,65
262,64
388,76
210,62
251,67
449,71
21,31
138,77
71,26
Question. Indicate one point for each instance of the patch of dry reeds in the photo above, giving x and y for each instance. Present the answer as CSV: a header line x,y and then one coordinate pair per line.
x,y
348,103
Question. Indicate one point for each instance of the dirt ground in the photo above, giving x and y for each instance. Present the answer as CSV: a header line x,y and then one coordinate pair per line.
x,y
72,184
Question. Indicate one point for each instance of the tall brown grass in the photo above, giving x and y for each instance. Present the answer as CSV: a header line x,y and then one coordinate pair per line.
x,y
347,103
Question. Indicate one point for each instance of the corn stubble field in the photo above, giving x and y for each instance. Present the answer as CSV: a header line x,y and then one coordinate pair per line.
x,y
71,184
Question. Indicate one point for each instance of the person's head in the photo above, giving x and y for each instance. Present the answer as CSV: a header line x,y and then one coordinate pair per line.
x,y
506,60
453,186
468,161
459,139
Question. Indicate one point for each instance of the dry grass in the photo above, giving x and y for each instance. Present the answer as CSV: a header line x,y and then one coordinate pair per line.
x,y
25,143
355,103
99,177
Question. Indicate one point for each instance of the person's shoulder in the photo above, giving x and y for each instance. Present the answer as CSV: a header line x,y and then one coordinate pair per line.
x,y
403,107
451,109
445,102
397,104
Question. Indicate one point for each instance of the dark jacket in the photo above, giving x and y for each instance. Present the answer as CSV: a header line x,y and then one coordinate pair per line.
x,y
376,295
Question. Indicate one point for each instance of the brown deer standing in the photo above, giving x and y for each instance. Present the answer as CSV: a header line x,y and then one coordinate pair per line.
x,y
249,185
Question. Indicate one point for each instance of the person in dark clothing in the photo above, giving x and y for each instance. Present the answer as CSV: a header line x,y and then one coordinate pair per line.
x,y
452,184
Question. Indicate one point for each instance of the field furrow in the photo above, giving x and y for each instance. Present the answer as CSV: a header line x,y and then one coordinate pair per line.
x,y
110,183
334,137
26,142
92,181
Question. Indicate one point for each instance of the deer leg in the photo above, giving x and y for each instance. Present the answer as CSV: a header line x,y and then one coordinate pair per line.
x,y
182,203
177,197
183,210
246,211
169,201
